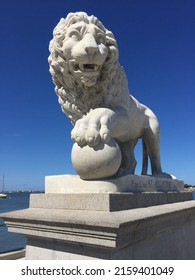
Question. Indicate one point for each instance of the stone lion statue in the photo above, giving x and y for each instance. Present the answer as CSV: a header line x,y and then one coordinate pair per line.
x,y
93,92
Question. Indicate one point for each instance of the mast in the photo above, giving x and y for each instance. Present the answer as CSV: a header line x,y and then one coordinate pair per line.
x,y
3,183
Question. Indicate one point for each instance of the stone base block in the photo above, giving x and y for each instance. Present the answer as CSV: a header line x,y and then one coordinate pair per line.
x,y
108,202
128,183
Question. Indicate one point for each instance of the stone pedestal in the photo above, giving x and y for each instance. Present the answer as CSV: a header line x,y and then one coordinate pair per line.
x,y
156,225
128,183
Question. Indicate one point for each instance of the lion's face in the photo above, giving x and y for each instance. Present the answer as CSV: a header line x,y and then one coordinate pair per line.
x,y
85,50
84,65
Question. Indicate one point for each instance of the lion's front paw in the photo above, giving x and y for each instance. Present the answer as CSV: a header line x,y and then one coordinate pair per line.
x,y
93,128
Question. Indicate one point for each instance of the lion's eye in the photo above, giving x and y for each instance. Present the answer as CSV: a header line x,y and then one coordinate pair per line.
x,y
74,35
101,39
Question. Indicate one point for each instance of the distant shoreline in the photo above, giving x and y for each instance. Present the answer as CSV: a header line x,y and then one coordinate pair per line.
x,y
21,191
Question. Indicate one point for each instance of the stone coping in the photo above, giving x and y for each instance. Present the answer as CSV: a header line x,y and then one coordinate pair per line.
x,y
96,228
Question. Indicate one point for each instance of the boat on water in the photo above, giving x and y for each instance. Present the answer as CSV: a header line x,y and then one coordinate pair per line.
x,y
3,195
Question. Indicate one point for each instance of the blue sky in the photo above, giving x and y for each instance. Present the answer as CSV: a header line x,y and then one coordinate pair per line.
x,y
156,40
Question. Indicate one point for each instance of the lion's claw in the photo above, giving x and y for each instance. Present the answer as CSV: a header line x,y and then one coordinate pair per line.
x,y
92,129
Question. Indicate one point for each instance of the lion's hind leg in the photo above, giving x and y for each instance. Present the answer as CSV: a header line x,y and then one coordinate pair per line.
x,y
151,138
144,159
129,162
152,143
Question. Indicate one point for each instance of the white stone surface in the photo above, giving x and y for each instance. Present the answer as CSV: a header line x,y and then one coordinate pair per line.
x,y
93,92
128,183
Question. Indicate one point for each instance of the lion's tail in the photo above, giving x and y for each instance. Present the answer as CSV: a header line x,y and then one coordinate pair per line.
x,y
145,158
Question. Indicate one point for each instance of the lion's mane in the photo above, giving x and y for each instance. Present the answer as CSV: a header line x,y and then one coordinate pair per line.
x,y
76,99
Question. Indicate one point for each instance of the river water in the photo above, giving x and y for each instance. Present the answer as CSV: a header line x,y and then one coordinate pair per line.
x,y
14,201
10,241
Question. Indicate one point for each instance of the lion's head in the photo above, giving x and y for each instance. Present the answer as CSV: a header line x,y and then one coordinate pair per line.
x,y
84,65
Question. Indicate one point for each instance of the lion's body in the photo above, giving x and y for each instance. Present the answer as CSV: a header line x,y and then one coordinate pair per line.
x,y
93,91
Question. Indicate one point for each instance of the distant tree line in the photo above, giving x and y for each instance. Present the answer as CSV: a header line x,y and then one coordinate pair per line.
x,y
188,186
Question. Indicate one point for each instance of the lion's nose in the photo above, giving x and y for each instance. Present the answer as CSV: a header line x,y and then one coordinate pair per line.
x,y
91,46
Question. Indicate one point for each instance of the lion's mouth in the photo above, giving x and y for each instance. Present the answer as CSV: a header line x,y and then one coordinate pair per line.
x,y
85,68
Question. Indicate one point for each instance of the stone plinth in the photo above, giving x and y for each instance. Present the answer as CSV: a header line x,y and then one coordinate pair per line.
x,y
128,183
156,232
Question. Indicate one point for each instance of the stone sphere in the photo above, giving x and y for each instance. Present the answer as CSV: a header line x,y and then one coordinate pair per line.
x,y
96,162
